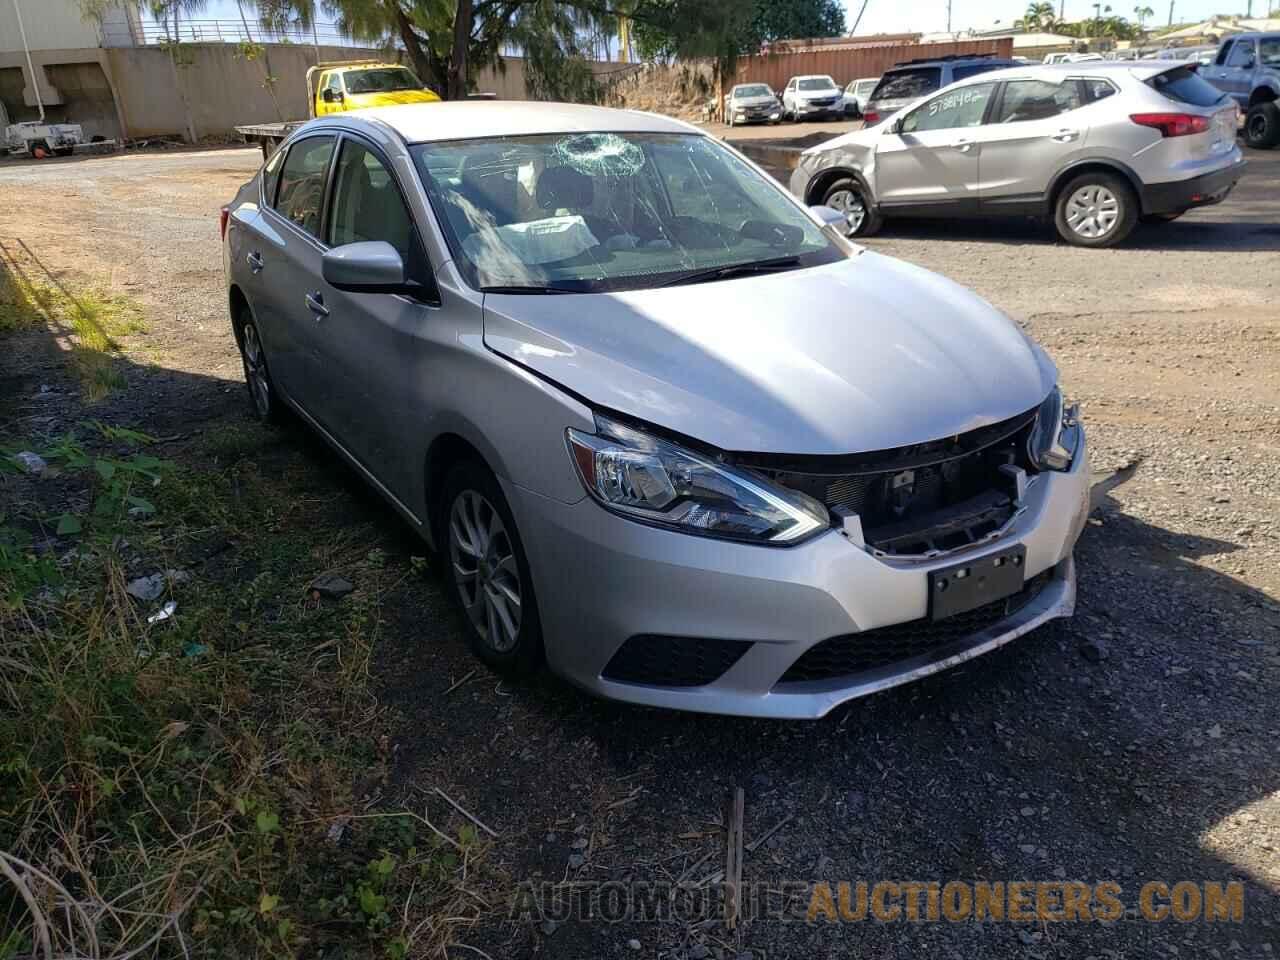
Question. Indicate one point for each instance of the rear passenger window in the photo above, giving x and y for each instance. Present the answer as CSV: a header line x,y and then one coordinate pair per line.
x,y
302,181
271,177
366,202
1097,90
1025,100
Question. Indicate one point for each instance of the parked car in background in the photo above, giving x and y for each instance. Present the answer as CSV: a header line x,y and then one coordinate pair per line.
x,y
856,95
910,80
595,358
1247,68
362,85
812,98
1201,55
752,103
1094,146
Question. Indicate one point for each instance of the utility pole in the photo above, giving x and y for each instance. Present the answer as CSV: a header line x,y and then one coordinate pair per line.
x,y
948,15
35,80
1171,3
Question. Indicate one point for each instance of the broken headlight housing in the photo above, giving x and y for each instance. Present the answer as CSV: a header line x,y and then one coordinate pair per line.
x,y
1056,435
656,481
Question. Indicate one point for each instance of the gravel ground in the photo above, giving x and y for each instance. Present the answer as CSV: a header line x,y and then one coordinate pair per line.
x,y
1139,742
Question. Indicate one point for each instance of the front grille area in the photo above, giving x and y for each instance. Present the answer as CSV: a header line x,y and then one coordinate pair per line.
x,y
934,496
855,653
662,661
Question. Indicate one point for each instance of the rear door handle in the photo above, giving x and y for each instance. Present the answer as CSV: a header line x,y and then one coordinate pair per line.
x,y
964,146
1066,136
255,261
315,303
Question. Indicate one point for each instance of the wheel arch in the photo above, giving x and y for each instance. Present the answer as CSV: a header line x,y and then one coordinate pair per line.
x,y
451,446
237,303
823,179
1263,94
1068,174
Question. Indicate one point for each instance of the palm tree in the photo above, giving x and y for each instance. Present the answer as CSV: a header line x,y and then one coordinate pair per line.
x,y
1039,16
1142,13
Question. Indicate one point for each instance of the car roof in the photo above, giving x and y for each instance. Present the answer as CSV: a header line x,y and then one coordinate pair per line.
x,y
371,65
1138,69
812,76
948,61
469,119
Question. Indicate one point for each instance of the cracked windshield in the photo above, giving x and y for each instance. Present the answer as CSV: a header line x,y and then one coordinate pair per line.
x,y
595,212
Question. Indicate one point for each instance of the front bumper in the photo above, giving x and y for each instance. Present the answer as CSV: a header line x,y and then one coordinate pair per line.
x,y
1198,191
601,579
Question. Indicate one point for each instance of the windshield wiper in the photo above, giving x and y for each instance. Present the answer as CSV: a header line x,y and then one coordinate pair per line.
x,y
735,270
515,288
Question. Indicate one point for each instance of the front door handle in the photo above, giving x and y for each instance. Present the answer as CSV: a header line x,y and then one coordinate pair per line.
x,y
255,261
964,146
1066,136
315,303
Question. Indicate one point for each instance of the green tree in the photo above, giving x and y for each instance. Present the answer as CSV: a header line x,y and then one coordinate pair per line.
x,y
1142,13
1039,16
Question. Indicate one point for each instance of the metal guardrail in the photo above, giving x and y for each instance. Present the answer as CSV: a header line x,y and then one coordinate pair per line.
x,y
150,33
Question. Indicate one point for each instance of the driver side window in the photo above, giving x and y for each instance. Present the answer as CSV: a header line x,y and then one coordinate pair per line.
x,y
962,107
1241,54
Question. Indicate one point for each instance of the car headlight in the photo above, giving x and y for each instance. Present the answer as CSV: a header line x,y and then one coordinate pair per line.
x,y
1056,434
653,480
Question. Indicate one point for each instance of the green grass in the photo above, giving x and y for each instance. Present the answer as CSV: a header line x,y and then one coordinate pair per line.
x,y
178,782
94,321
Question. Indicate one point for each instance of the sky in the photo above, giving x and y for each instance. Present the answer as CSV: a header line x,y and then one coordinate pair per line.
x,y
930,16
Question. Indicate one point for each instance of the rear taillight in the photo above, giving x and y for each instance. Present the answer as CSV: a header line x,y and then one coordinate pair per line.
x,y
871,118
1172,124
223,216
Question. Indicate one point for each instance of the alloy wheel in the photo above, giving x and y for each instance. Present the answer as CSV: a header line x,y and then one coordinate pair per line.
x,y
851,204
1257,127
255,370
1093,211
485,570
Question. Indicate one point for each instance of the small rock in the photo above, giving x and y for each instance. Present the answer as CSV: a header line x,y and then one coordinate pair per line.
x,y
633,943
579,844
146,588
1030,937
1028,811
576,860
1028,848
164,613
548,927
698,951
551,838
332,586
1095,651
33,463
1215,732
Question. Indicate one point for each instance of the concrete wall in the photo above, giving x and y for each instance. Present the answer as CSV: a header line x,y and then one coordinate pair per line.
x,y
50,25
222,86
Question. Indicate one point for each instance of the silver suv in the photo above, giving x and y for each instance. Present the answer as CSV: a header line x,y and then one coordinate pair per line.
x,y
664,426
1094,146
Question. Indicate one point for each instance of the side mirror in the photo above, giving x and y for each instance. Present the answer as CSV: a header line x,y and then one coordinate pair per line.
x,y
331,96
830,217
370,267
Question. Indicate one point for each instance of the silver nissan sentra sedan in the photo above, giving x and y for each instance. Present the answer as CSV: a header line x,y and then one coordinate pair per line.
x,y
667,428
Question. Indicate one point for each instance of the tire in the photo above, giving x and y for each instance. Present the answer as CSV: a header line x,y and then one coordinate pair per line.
x,y
488,572
1161,217
1262,126
850,198
264,398
1096,210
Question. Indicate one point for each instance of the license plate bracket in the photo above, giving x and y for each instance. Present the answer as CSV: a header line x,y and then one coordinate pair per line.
x,y
966,586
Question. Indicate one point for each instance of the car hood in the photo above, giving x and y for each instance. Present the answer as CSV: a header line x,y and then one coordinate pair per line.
x,y
393,98
865,354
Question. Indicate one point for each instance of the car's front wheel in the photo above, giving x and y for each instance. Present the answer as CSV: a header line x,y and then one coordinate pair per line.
x,y
851,198
488,571
1262,126
1096,210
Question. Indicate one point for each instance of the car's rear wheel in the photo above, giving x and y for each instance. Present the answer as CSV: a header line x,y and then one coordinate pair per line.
x,y
257,375
488,571
1262,126
1096,210
851,198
